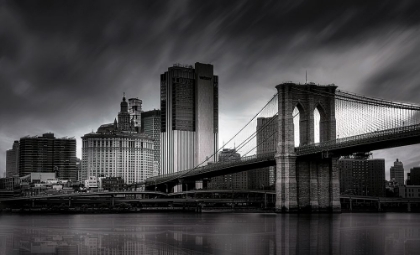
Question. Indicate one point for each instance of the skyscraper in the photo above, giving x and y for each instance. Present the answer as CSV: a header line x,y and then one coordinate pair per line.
x,y
229,181
12,160
415,176
134,108
362,176
150,125
266,143
397,172
189,117
48,154
118,150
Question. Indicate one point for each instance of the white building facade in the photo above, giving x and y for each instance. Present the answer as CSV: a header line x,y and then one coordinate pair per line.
x,y
125,155
118,150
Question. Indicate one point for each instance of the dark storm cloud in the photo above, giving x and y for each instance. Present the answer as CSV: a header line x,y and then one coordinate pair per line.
x,y
65,64
400,76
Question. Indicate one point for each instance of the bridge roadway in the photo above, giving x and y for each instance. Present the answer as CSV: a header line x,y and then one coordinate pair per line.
x,y
148,200
150,196
377,140
196,198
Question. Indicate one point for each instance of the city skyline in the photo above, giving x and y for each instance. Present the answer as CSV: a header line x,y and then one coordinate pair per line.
x,y
66,65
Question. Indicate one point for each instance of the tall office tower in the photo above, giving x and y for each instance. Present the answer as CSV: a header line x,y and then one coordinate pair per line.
x,y
414,176
229,181
134,108
48,154
79,168
12,160
362,176
189,117
150,125
397,172
266,143
117,150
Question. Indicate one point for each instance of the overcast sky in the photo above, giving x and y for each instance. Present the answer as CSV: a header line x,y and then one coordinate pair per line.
x,y
64,65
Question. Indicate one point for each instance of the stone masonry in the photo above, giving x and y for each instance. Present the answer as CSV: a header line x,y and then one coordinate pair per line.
x,y
305,183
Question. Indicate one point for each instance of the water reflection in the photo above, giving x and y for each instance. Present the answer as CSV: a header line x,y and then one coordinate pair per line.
x,y
210,234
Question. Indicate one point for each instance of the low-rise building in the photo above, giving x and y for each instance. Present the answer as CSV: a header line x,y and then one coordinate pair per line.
x,y
409,191
113,183
361,175
91,182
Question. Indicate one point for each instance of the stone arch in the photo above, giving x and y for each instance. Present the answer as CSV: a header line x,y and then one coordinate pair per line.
x,y
299,122
320,124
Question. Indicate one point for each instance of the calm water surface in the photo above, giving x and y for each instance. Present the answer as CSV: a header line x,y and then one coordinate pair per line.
x,y
210,233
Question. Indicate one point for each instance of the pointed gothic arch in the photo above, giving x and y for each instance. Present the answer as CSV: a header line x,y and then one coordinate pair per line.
x,y
320,124
299,133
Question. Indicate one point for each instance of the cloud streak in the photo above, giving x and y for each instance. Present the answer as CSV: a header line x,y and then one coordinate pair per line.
x,y
65,64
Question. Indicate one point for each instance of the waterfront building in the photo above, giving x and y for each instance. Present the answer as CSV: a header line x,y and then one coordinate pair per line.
x,y
414,176
409,191
397,172
10,187
12,160
117,150
92,182
189,117
360,175
150,125
42,177
113,183
48,154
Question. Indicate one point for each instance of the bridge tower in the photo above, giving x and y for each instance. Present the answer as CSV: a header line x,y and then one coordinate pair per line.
x,y
306,183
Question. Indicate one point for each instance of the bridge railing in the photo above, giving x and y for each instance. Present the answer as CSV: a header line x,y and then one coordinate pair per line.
x,y
209,168
339,143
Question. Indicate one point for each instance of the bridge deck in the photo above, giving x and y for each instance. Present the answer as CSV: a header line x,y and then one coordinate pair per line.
x,y
383,139
394,137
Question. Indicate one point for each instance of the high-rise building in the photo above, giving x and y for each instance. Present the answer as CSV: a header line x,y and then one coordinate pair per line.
x,y
189,117
12,160
266,143
414,176
118,150
79,169
150,125
48,154
362,176
134,108
397,172
229,181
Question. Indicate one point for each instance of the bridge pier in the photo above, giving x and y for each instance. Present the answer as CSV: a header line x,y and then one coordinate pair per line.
x,y
305,184
286,190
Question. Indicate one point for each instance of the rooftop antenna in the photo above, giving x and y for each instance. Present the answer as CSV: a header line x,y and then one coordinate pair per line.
x,y
306,77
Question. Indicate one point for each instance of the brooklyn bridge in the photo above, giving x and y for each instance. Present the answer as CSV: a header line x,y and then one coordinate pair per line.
x,y
306,129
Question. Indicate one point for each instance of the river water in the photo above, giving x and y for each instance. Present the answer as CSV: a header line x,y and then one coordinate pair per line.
x,y
210,233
